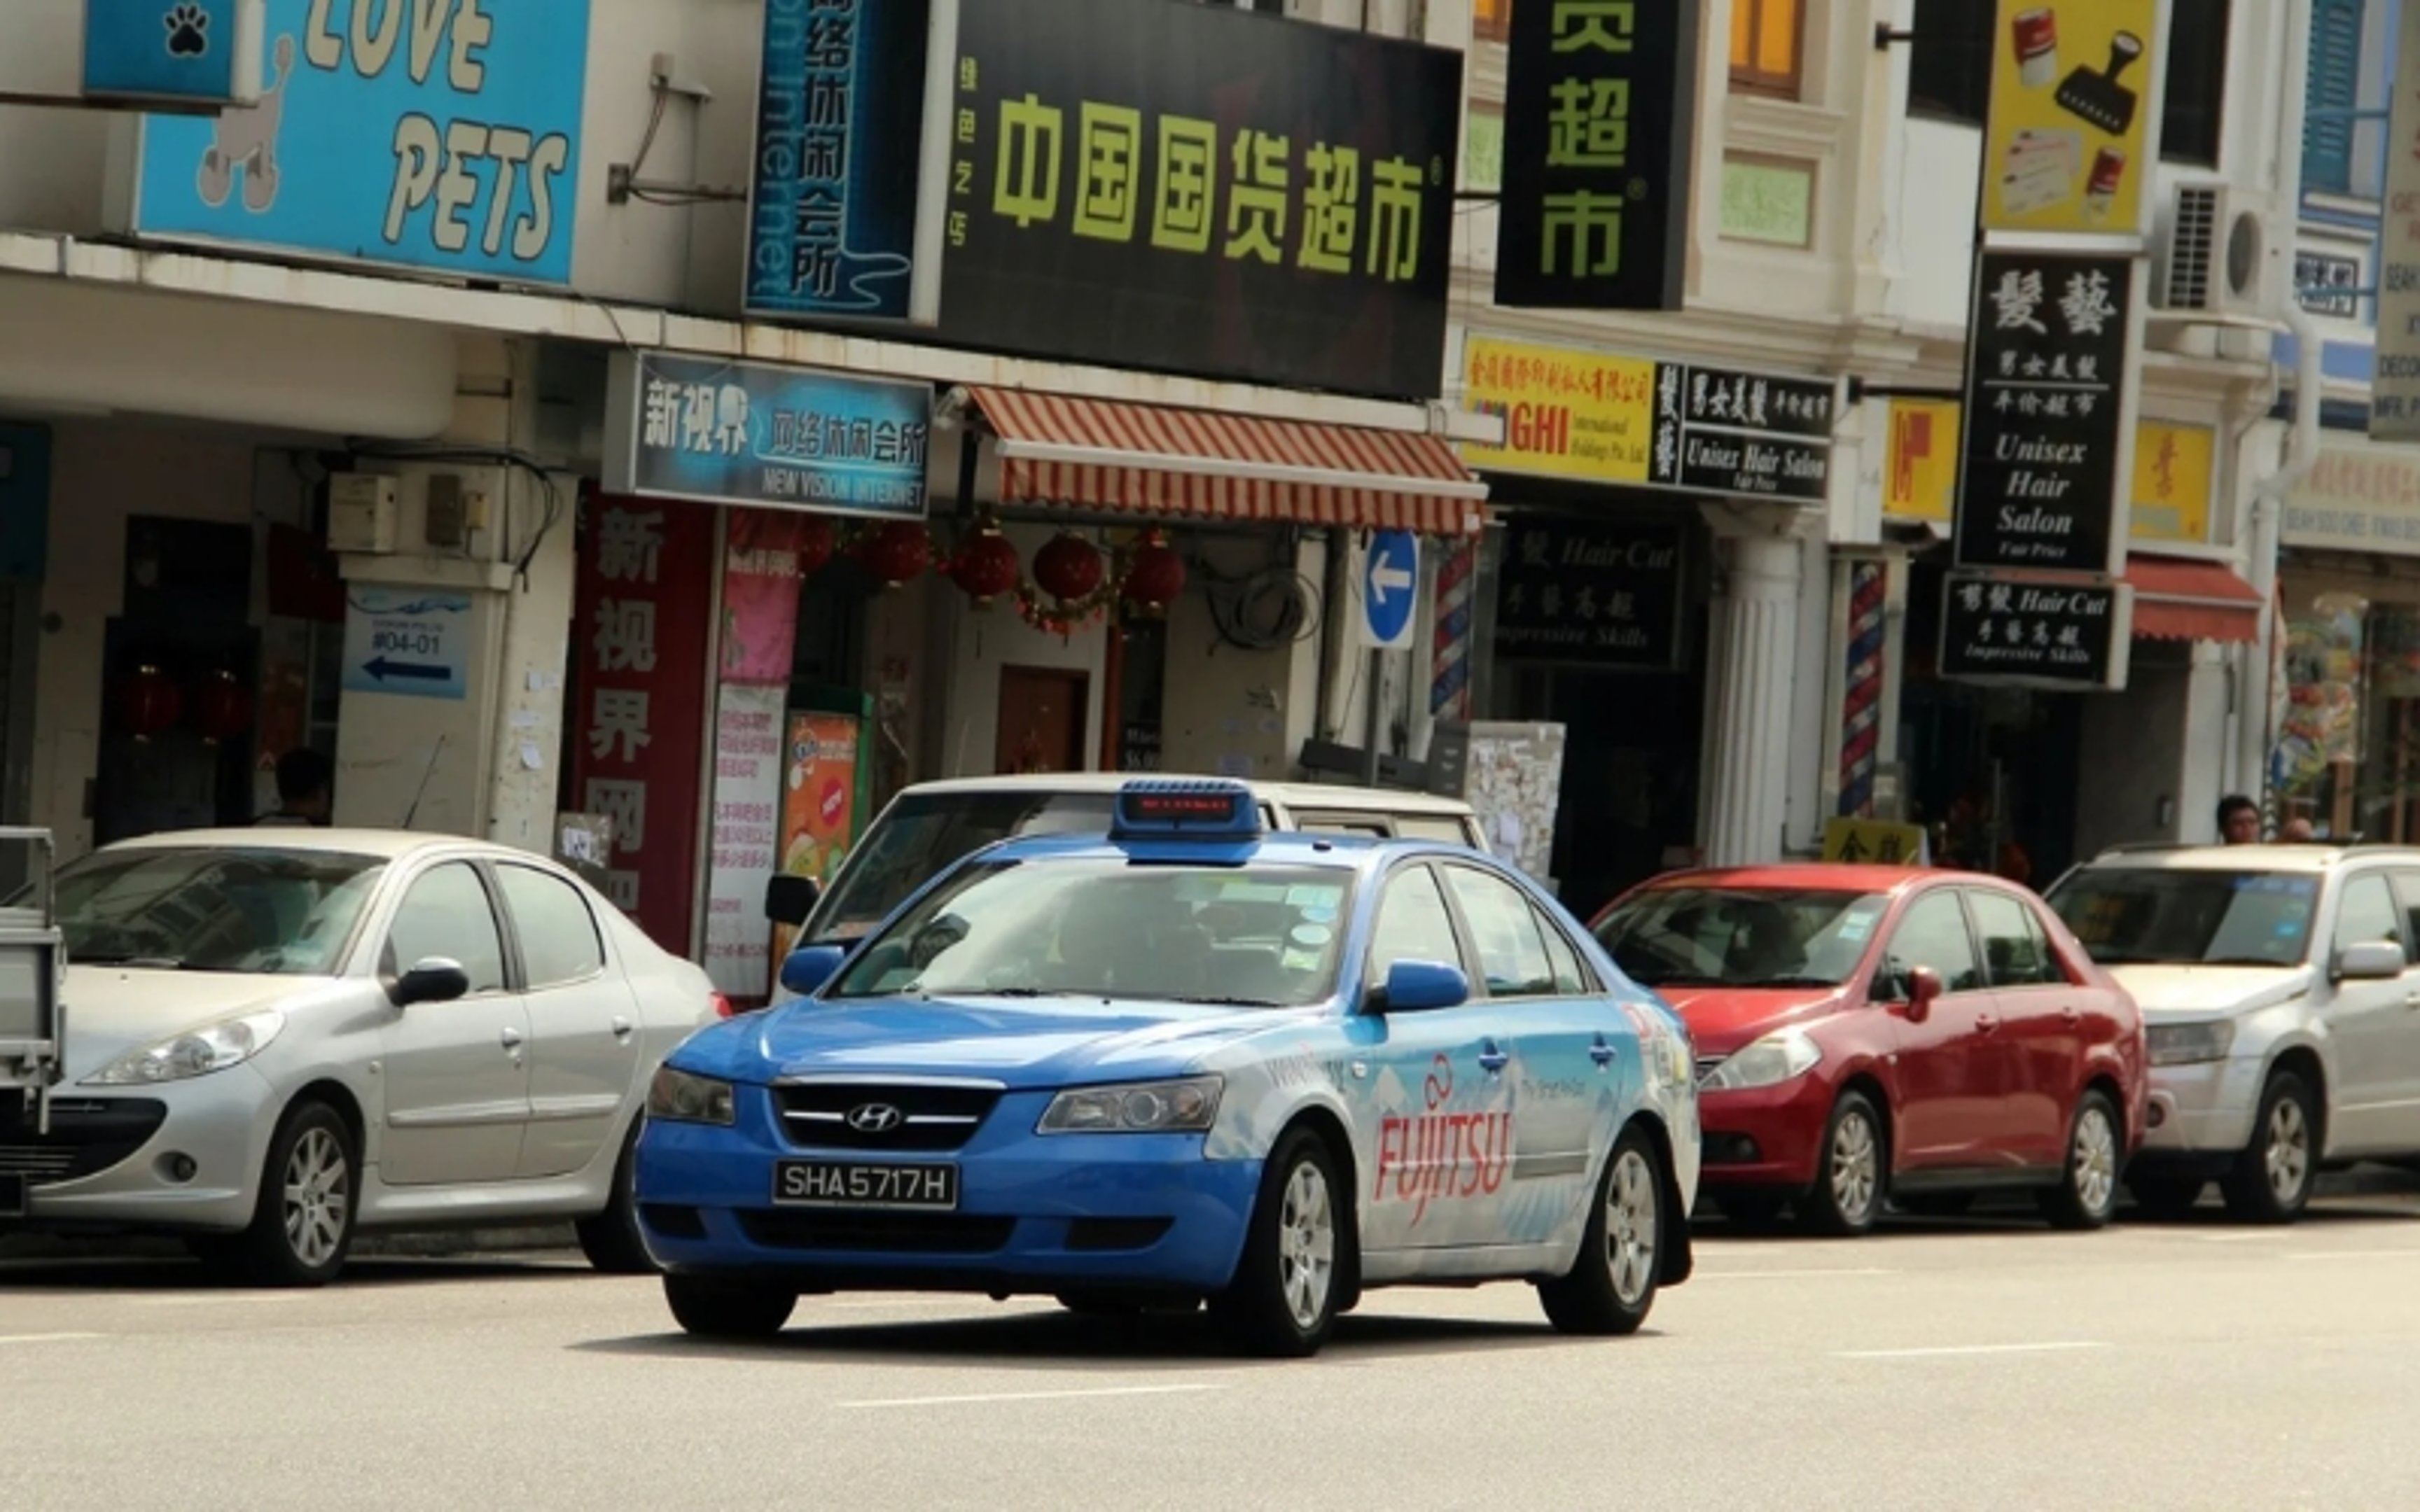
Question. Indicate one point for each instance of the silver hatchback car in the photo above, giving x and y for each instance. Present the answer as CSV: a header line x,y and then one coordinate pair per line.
x,y
276,1037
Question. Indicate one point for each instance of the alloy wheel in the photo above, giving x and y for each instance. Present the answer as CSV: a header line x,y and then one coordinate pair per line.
x,y
2286,1158
318,1198
1630,1226
2095,1160
1856,1166
1307,1244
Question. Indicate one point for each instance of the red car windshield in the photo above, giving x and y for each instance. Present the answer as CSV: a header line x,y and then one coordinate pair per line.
x,y
1776,937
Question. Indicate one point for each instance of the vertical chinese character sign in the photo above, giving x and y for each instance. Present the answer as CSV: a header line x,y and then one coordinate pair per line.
x,y
760,604
2395,391
1599,101
638,683
2046,444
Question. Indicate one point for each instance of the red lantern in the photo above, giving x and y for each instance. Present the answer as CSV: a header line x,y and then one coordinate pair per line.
x,y
1069,568
223,710
986,566
816,542
149,703
1155,576
896,550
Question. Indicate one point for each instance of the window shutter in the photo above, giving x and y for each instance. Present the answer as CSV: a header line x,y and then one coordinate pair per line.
x,y
2335,84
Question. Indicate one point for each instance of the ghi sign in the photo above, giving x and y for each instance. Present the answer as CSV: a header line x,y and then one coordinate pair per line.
x,y
438,135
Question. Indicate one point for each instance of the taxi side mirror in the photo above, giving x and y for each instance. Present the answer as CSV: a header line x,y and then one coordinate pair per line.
x,y
2370,960
807,968
1420,987
1924,988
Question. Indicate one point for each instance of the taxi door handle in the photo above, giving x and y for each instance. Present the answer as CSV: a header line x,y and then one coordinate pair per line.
x,y
1986,1024
2411,999
512,1038
1600,1052
1493,1059
621,1027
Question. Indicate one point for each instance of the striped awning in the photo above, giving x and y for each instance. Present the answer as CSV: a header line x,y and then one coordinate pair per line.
x,y
1144,459
2179,599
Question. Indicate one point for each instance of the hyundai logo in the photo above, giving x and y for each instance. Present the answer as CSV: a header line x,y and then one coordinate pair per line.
x,y
875,1118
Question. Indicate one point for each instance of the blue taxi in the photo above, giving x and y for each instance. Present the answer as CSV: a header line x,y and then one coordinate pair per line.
x,y
1186,1061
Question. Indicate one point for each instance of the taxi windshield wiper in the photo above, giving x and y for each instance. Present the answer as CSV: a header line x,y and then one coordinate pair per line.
x,y
1221,1001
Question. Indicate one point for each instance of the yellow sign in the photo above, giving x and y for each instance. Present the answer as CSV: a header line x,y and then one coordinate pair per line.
x,y
2172,474
1922,482
1872,843
1567,414
2068,144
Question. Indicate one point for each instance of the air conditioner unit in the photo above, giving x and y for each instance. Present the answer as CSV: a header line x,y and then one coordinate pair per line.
x,y
2215,256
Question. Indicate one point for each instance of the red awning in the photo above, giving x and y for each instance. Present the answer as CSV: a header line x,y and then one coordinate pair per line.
x,y
2176,600
1145,459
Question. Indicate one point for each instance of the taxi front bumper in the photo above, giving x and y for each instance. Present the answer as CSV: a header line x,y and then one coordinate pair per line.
x,y
2200,1115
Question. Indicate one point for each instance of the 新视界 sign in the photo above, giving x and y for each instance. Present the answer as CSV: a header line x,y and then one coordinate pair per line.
x,y
779,438
1197,190
444,138
1599,98
2045,438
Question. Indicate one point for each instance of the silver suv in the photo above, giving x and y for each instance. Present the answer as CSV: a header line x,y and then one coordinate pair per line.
x,y
2282,1005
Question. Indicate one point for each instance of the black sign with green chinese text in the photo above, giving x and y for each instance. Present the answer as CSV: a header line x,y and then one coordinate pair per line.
x,y
1598,105
1600,594
1200,190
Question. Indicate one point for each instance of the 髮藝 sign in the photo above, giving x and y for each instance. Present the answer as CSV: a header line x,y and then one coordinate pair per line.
x,y
1724,432
779,438
2395,387
439,138
2036,633
2068,148
2045,442
1599,98
1195,189
834,192
1603,594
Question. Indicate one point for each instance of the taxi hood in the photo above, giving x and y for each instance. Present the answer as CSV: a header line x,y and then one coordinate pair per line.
x,y
1025,1043
2200,991
1722,1020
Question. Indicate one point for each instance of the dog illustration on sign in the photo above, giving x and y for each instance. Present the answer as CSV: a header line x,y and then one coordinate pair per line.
x,y
247,139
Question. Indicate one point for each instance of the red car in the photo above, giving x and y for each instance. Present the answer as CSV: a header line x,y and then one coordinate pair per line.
x,y
1871,1034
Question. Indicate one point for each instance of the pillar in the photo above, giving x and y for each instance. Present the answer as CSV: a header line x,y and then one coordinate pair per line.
x,y
1753,658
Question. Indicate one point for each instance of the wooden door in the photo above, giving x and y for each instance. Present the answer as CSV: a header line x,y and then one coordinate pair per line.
x,y
1041,719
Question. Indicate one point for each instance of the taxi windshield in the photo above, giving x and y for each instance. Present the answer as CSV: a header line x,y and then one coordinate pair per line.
x,y
1249,937
2186,917
1776,937
921,835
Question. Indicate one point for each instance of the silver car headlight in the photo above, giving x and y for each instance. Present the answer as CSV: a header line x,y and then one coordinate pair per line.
x,y
684,1097
1186,1106
2189,1044
194,1053
1770,1062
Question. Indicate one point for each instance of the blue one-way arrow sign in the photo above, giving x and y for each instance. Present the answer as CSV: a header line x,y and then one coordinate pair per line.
x,y
1390,589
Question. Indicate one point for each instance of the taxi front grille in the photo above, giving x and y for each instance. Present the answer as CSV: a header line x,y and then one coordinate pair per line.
x,y
886,1117
880,1233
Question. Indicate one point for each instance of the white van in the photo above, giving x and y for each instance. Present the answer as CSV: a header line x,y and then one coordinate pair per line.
x,y
930,826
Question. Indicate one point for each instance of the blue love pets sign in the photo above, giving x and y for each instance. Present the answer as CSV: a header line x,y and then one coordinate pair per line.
x,y
200,54
777,438
435,134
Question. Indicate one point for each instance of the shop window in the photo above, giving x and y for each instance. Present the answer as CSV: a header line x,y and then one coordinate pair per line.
x,y
2332,89
2194,115
1767,38
1950,62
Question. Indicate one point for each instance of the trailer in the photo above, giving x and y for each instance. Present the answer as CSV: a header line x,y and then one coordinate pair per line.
x,y
33,1010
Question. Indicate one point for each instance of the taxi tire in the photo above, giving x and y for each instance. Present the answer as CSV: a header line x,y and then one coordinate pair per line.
x,y
260,1255
1583,1300
1253,1312
2249,1197
713,1308
1820,1210
2065,1206
610,1240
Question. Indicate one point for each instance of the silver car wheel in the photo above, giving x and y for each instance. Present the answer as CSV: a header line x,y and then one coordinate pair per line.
x,y
1856,1166
1630,1226
1307,1244
2288,1156
2095,1160
318,1198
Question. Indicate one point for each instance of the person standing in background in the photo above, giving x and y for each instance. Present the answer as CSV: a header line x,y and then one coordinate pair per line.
x,y
2239,821
305,784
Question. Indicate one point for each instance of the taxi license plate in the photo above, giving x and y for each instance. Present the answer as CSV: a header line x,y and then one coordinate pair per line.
x,y
831,1183
12,1196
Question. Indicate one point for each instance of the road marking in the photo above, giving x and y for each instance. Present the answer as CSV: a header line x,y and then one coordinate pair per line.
x,y
213,1299
1794,1276
1949,1351
1037,1396
47,1338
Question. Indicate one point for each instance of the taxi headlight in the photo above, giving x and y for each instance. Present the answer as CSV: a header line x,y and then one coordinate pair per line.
x,y
1186,1106
197,1052
2189,1044
1770,1062
679,1097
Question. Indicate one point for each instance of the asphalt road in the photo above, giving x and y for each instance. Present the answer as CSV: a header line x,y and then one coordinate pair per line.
x,y
1983,1364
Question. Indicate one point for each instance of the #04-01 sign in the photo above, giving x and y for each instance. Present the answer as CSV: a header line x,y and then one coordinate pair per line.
x,y
442,137
2038,634
1195,189
1595,204
781,437
2046,441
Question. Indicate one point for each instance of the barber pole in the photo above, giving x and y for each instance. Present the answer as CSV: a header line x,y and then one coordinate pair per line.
x,y
1450,668
1862,706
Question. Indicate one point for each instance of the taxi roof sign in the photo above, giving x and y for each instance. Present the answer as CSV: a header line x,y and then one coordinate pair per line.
x,y
1195,808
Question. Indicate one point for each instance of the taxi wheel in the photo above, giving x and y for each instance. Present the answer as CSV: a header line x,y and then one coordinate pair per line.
x,y
728,1310
2272,1179
1852,1172
1611,1287
303,1223
611,1239
1282,1303
2086,1196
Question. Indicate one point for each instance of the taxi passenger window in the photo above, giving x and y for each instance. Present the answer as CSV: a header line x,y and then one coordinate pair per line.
x,y
2367,914
1413,925
1934,935
1571,977
2014,951
447,915
1511,955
